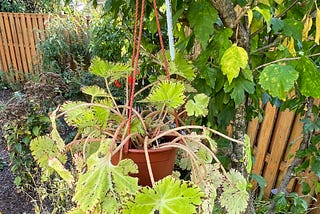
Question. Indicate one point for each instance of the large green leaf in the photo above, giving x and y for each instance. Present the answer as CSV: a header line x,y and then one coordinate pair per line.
x,y
232,60
309,78
238,88
182,67
234,197
102,178
293,28
198,106
278,80
167,93
168,196
201,16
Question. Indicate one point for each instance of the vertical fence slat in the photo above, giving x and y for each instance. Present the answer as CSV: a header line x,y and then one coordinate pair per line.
x,y
4,47
279,140
7,25
25,69
252,130
26,43
15,41
265,133
31,39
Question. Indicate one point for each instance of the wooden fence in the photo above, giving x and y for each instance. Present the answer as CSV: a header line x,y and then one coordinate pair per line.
x,y
274,140
19,34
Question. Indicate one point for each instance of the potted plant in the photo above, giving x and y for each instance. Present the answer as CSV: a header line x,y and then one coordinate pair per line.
x,y
111,134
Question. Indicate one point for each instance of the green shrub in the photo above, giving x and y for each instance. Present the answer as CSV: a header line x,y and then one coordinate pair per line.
x,y
109,39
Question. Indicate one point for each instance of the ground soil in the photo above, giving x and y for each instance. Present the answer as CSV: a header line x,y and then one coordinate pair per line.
x,y
12,201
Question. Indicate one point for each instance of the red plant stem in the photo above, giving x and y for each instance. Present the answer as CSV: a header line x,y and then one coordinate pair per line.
x,y
127,145
160,39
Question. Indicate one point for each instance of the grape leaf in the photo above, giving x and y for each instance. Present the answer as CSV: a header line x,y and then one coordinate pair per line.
x,y
238,88
182,67
234,197
278,79
309,78
168,196
277,24
102,177
293,28
198,106
167,93
201,16
232,60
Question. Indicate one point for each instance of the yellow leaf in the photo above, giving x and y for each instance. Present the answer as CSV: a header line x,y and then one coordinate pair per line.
x,y
250,17
306,28
317,27
285,42
291,47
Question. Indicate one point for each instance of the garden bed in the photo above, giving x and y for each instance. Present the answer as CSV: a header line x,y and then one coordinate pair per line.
x,y
11,200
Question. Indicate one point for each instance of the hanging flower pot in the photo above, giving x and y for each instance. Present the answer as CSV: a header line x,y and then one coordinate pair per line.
x,y
161,159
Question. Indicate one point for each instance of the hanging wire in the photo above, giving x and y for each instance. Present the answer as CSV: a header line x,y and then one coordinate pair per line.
x,y
161,41
170,30
135,71
136,53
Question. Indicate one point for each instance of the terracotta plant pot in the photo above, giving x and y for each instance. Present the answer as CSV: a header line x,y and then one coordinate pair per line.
x,y
162,162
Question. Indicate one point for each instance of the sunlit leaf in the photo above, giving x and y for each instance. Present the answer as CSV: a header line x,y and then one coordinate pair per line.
x,y
248,153
309,78
102,177
250,17
167,93
278,80
61,170
317,27
198,106
233,59
234,197
168,196
266,15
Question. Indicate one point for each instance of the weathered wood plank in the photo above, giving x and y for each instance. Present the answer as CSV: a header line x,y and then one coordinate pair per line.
x,y
279,140
264,136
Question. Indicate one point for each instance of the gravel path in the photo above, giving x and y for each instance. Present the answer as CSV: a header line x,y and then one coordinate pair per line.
x,y
11,201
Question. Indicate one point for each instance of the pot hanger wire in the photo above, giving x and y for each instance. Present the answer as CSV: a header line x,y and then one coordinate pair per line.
x,y
137,37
